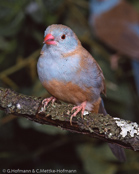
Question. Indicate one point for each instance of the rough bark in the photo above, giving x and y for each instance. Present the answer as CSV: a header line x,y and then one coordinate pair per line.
x,y
113,130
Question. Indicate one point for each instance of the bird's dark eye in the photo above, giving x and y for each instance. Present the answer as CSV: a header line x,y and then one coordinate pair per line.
x,y
63,36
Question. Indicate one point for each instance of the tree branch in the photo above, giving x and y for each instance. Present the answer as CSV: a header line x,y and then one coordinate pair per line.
x,y
113,130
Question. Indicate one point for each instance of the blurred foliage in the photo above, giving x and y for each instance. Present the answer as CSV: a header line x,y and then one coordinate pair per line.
x,y
28,145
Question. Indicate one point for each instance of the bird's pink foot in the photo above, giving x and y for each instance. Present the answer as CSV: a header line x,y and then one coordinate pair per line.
x,y
79,108
47,100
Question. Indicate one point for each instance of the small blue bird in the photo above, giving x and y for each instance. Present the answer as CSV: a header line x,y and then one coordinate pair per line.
x,y
116,24
69,73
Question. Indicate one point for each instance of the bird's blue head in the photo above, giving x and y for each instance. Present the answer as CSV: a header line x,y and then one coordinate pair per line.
x,y
97,7
61,38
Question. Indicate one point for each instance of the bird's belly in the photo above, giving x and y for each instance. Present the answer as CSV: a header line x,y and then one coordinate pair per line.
x,y
67,91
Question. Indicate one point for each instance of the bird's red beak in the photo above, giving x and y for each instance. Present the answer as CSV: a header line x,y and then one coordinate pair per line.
x,y
49,40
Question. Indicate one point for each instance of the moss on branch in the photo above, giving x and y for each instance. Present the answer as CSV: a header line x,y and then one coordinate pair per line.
x,y
113,130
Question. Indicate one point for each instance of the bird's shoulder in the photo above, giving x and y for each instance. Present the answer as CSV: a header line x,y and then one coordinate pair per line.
x,y
88,64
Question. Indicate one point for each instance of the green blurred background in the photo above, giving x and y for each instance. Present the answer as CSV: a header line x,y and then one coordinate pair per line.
x,y
28,145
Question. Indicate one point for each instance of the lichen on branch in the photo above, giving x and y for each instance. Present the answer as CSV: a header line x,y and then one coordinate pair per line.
x,y
113,130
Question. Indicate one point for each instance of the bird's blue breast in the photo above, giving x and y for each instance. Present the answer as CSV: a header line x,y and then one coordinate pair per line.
x,y
52,67
134,28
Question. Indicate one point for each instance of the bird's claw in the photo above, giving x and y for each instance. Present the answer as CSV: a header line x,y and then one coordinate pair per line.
x,y
79,108
47,100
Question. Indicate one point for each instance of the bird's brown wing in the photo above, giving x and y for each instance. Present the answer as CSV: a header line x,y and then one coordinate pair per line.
x,y
86,55
112,29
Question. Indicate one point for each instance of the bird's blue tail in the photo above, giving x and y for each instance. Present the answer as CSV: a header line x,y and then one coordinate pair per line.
x,y
116,149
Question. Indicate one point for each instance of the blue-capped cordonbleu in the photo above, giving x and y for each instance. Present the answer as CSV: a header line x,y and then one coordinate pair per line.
x,y
68,71
116,24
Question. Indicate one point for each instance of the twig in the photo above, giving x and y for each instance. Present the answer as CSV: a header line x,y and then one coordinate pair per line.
x,y
113,130
19,65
